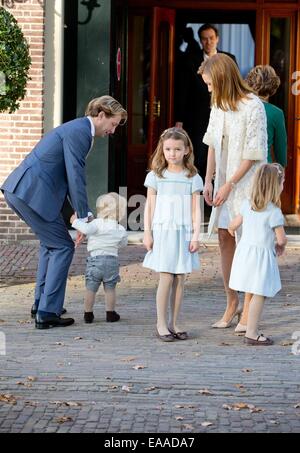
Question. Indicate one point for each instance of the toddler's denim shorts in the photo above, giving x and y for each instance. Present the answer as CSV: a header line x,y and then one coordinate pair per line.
x,y
102,268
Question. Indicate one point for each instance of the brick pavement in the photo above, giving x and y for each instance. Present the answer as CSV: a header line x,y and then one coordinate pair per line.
x,y
82,378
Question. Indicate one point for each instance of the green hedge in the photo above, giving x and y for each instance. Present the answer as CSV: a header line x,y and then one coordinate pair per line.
x,y
14,63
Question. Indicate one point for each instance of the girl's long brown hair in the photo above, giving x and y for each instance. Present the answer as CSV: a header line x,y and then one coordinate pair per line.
x,y
158,162
228,86
266,186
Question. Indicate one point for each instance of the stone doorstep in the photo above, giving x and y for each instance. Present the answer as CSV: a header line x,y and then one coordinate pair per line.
x,y
292,220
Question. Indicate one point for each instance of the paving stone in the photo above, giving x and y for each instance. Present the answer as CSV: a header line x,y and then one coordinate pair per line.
x,y
70,372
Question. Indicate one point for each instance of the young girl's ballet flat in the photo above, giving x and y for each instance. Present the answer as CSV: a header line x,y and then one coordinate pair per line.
x,y
167,338
257,342
179,335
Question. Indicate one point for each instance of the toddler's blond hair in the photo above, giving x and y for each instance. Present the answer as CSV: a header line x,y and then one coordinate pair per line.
x,y
111,206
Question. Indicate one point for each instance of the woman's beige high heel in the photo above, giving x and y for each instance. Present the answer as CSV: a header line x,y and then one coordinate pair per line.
x,y
240,328
224,324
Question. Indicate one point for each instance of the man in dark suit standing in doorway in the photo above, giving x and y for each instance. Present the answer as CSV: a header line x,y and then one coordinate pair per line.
x,y
193,99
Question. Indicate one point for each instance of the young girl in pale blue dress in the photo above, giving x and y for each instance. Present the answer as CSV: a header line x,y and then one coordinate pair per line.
x,y
254,268
172,225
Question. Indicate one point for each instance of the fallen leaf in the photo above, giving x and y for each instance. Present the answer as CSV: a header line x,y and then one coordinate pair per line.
x,y
187,426
7,398
205,392
239,406
126,388
297,406
64,419
139,367
128,359
2,321
178,417
31,378
66,403
205,424
256,409
227,407
57,403
78,338
31,403
72,404
286,343
247,370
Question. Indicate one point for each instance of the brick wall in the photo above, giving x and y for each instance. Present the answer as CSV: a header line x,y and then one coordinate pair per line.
x,y
19,132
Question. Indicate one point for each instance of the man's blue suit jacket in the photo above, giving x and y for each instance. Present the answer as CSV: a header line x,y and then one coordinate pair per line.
x,y
54,169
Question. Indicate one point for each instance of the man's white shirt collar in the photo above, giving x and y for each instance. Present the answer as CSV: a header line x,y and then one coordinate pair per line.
x,y
93,131
206,57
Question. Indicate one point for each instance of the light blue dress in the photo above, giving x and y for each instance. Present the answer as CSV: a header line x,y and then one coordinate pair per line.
x,y
172,222
254,269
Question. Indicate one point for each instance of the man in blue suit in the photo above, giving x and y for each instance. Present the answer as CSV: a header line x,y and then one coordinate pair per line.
x,y
37,189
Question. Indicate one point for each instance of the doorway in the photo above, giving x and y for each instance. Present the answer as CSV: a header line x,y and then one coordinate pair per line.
x,y
155,54
271,33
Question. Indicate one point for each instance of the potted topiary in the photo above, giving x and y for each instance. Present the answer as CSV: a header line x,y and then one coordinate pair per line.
x,y
14,63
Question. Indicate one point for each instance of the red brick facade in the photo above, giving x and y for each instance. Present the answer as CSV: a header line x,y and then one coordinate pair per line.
x,y
19,132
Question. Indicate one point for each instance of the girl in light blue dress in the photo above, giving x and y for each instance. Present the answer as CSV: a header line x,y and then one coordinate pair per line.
x,y
172,225
254,268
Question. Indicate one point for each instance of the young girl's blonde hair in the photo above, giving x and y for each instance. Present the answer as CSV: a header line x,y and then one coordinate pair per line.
x,y
111,206
266,186
158,162
228,86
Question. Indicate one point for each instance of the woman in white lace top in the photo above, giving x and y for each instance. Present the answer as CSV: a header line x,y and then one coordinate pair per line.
x,y
237,140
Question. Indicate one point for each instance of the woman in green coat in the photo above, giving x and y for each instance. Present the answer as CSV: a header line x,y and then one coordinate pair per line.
x,y
265,82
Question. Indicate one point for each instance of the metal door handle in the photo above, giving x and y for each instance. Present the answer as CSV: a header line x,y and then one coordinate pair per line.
x,y
156,110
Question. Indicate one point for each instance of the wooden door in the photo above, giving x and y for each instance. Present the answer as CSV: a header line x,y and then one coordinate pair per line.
x,y
150,87
162,74
279,50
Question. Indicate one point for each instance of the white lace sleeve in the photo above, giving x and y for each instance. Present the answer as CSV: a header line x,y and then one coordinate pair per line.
x,y
256,142
208,138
